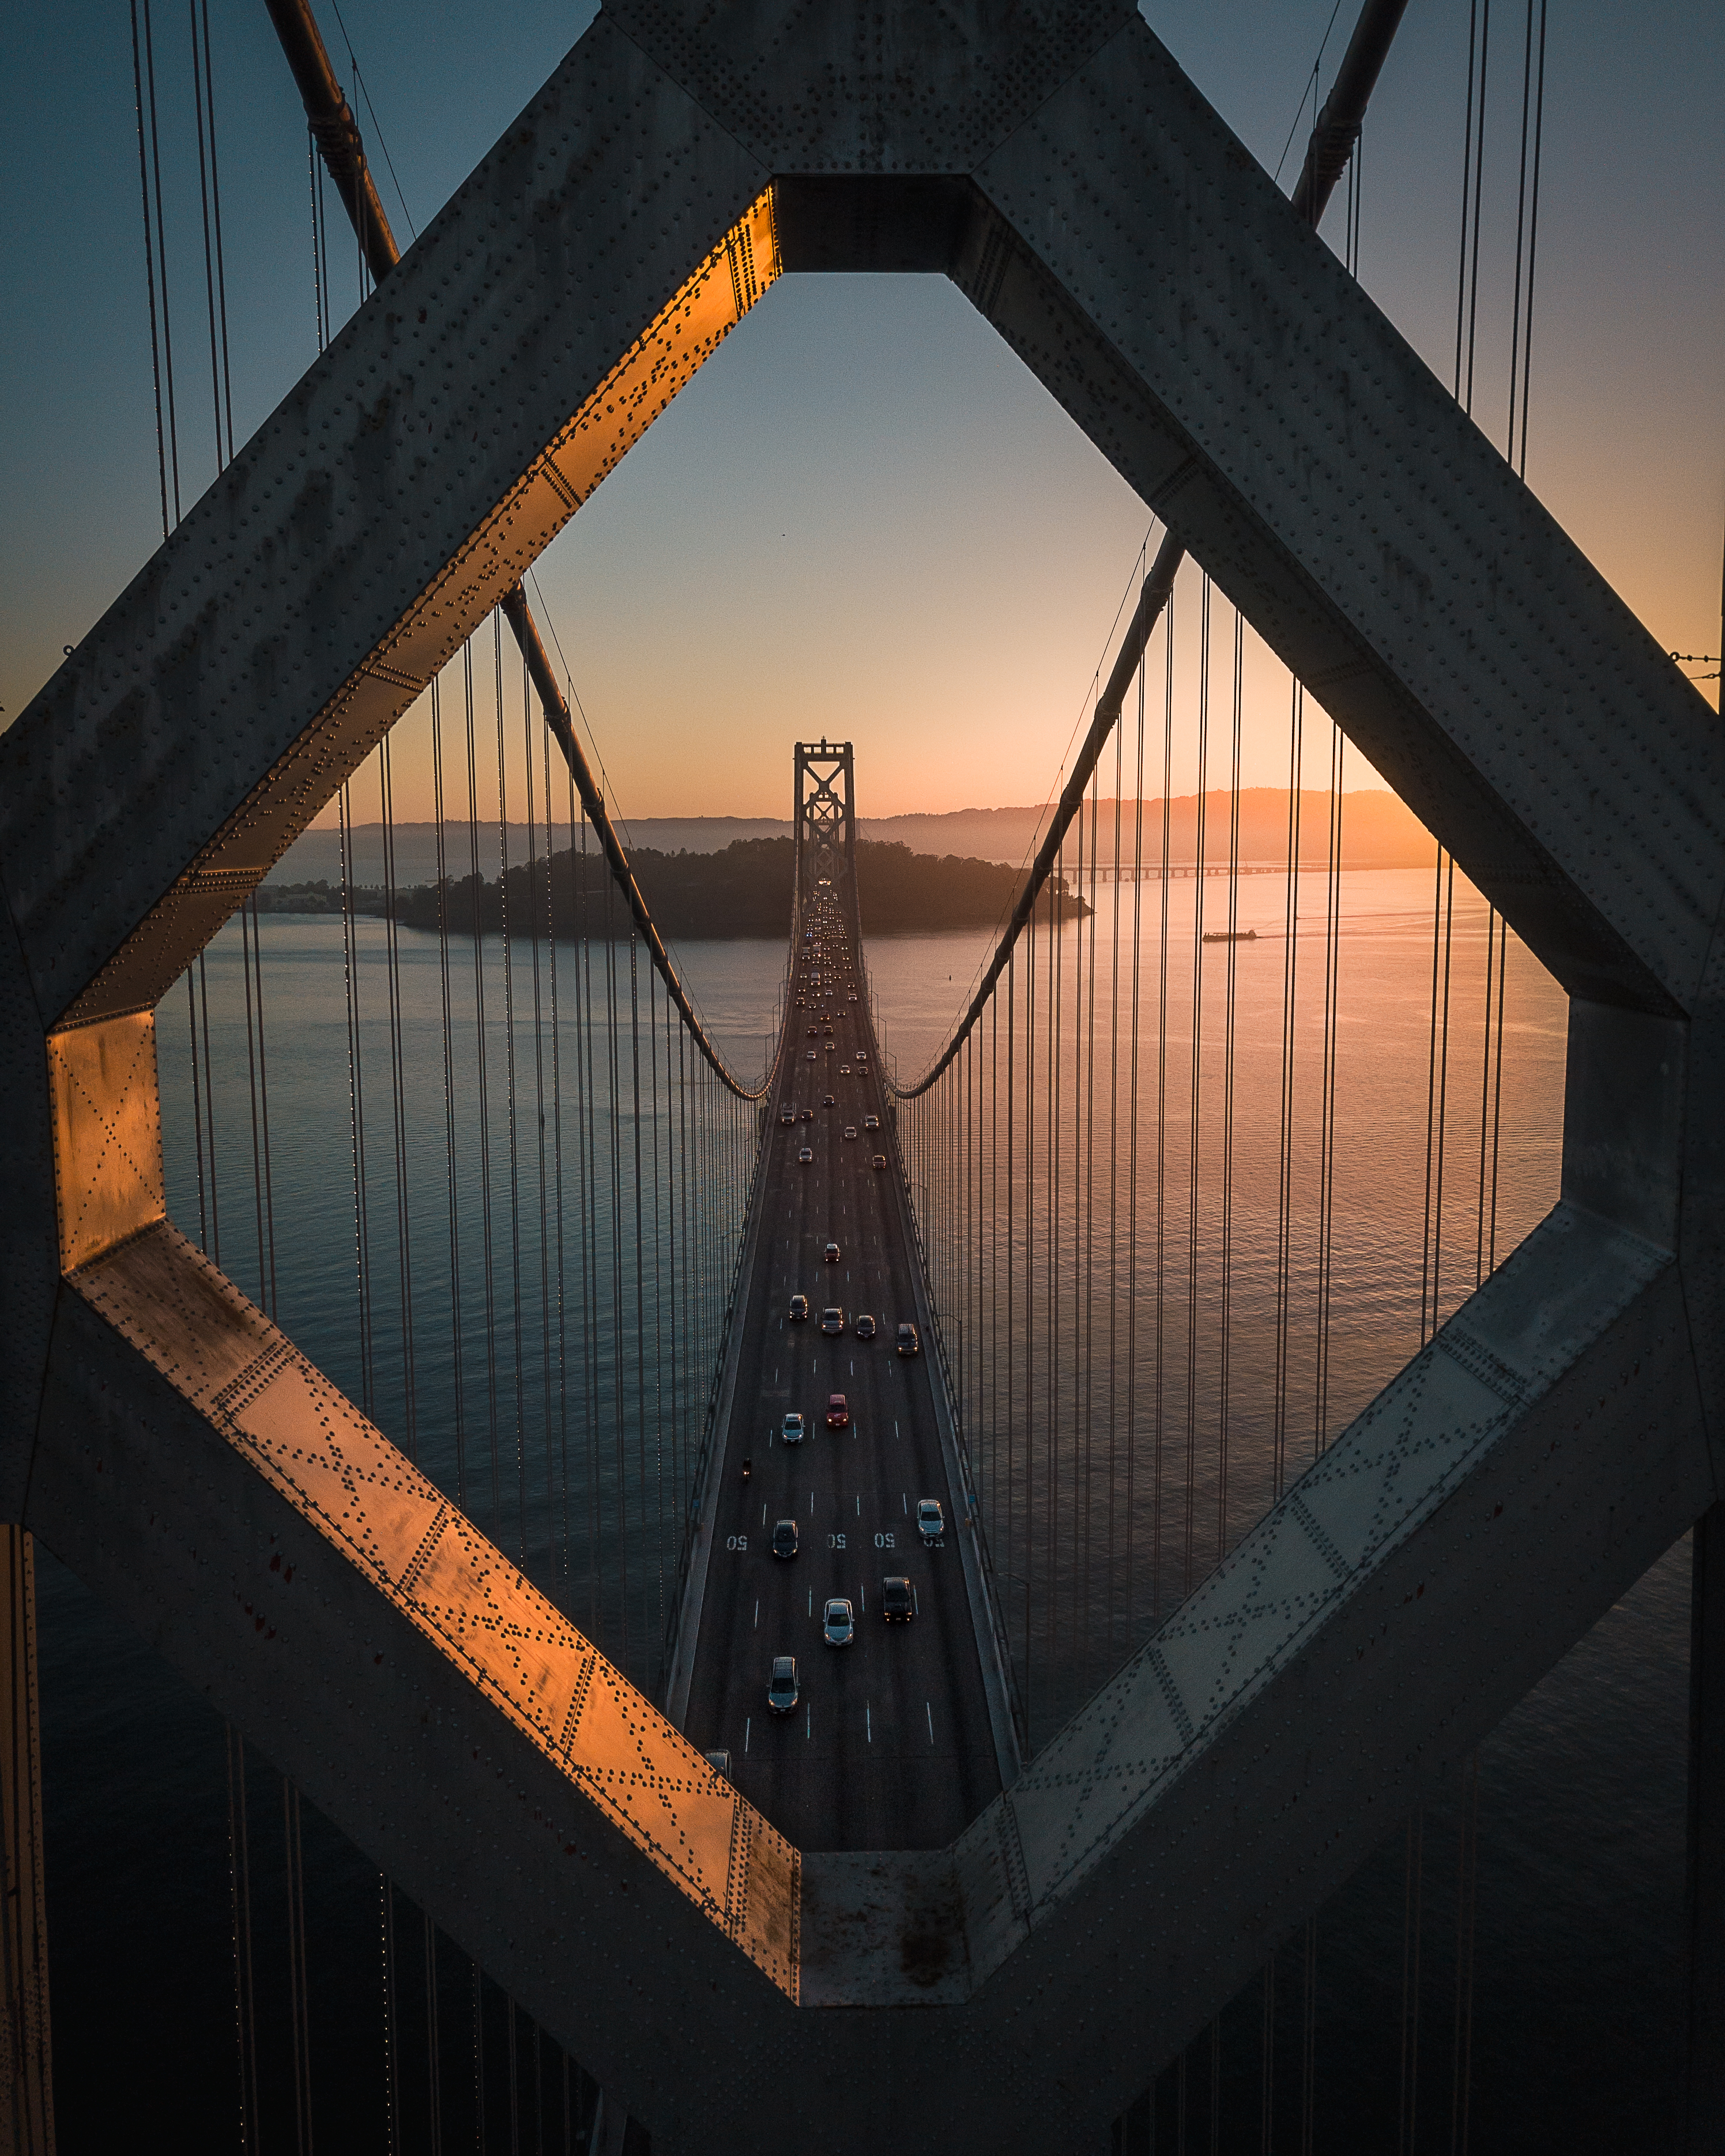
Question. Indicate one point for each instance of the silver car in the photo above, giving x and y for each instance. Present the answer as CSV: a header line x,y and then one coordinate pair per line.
x,y
837,1622
931,1521
790,1430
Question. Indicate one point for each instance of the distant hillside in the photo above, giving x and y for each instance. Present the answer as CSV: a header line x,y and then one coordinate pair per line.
x,y
745,891
1377,832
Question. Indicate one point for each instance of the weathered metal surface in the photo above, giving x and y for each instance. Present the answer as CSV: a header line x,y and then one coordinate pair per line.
x,y
107,1135
1513,1480
1471,1524
26,2050
548,315
527,1667
1219,354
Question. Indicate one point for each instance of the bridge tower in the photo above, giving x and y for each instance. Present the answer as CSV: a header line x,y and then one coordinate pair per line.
x,y
824,818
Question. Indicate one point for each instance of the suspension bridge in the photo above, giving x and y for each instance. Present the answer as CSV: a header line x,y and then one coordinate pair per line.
x,y
566,1600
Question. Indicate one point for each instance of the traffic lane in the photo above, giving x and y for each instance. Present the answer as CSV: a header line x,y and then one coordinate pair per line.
x,y
890,1776
908,1704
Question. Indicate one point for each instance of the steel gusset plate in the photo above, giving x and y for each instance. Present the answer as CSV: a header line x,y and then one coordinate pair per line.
x,y
1016,1991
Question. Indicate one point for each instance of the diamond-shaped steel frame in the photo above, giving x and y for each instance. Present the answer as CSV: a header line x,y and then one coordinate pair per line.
x,y
165,1440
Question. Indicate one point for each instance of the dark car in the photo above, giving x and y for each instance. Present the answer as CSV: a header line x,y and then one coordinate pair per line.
x,y
866,1327
784,1538
832,1319
782,1692
720,1762
898,1599
800,1308
807,1116
805,1154
838,1411
910,1341
829,1255
879,1160
828,1102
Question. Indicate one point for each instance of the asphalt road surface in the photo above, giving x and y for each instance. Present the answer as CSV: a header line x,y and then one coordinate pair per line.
x,y
890,1746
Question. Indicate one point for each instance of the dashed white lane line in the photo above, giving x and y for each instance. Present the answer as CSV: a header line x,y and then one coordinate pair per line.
x,y
929,1710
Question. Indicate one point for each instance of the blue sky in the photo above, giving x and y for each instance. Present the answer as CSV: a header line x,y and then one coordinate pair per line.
x,y
931,553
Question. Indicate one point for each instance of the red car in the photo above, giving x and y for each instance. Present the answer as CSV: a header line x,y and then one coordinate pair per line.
x,y
838,1411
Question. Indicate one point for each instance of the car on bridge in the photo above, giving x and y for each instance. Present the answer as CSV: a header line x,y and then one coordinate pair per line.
x,y
830,1255
800,1308
786,1113
879,1160
805,1154
844,1072
784,1538
827,1100
850,1130
871,1122
838,1411
790,1430
809,1053
862,1059
898,1599
781,1689
866,1327
931,1520
832,1319
808,1115
837,1622
910,1341
720,1762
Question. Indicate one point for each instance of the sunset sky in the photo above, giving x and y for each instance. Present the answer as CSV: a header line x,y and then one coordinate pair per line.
x,y
865,517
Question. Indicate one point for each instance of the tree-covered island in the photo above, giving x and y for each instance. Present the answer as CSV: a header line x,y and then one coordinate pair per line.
x,y
744,890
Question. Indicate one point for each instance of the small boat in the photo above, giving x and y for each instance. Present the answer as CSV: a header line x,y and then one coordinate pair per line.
x,y
1230,935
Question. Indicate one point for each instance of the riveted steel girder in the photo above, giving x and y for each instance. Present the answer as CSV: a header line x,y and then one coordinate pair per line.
x,y
1015,1991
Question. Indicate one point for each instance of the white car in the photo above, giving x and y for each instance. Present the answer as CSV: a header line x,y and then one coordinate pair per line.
x,y
805,1154
809,1053
931,1521
850,1130
790,1431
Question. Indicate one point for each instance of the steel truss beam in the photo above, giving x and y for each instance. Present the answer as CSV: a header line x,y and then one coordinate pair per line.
x,y
1016,1991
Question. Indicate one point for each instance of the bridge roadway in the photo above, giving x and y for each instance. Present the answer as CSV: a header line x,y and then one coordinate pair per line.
x,y
891,1745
